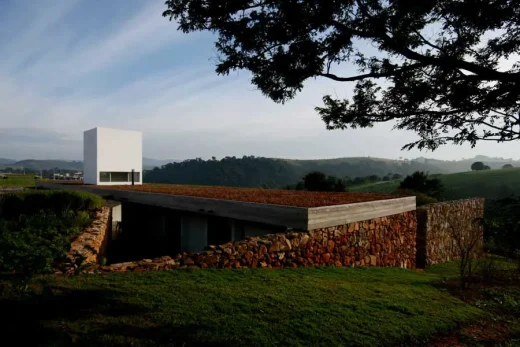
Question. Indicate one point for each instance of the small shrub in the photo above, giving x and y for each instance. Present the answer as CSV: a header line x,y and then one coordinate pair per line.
x,y
83,219
468,245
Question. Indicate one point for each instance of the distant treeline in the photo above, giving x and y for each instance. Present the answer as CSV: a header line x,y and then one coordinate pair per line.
x,y
250,171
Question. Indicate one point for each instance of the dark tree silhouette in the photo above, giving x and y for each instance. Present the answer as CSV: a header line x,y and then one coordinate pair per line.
x,y
507,166
374,178
315,181
478,166
437,72
421,183
319,182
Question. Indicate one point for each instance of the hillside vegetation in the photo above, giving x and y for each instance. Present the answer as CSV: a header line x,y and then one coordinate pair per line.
x,y
489,184
274,173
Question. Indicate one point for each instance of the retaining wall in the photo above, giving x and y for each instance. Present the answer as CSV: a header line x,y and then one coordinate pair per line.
x,y
437,224
384,241
92,243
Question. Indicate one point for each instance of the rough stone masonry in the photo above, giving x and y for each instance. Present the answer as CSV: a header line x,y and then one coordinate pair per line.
x,y
438,222
404,240
385,241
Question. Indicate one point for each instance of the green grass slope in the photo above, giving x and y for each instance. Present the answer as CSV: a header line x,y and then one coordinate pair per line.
x,y
244,307
489,184
13,181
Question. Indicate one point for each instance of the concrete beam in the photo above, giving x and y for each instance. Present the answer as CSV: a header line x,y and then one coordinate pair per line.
x,y
323,217
289,216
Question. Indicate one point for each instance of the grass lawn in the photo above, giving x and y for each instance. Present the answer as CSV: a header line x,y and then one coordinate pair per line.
x,y
14,180
246,307
388,187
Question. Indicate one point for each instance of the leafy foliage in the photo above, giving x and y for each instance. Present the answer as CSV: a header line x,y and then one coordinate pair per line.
x,y
507,166
33,245
439,60
36,228
419,182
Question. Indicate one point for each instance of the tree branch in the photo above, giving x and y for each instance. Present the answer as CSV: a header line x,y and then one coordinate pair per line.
x,y
373,74
451,63
428,42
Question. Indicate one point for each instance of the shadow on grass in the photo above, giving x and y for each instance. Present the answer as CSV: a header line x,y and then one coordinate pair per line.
x,y
63,317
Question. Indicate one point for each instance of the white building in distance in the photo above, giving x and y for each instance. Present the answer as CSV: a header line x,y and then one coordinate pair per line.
x,y
111,155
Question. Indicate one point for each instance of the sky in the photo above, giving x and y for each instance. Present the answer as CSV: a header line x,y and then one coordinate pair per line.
x,y
71,65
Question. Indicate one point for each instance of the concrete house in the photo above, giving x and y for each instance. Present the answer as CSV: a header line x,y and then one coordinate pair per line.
x,y
110,156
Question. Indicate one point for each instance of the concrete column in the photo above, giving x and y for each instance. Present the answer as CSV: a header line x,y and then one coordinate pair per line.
x,y
232,226
194,233
116,220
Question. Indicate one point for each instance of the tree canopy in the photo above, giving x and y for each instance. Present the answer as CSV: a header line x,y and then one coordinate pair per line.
x,y
439,69
319,182
421,183
477,166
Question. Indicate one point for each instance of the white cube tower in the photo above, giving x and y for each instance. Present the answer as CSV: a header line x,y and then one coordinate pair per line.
x,y
111,155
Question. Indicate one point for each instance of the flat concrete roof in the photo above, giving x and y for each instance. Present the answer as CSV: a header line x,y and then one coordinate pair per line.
x,y
296,217
296,198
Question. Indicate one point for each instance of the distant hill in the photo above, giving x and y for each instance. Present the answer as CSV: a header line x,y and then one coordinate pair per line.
x,y
6,161
275,173
32,164
250,171
453,166
489,184
73,165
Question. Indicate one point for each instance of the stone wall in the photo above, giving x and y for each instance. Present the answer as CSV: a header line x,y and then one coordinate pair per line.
x,y
385,241
437,224
93,241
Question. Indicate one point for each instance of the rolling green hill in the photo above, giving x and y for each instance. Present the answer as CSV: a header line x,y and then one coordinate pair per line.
x,y
275,173
4,161
489,184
